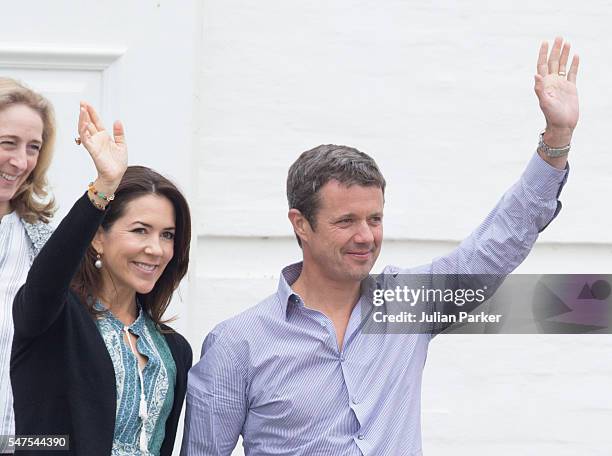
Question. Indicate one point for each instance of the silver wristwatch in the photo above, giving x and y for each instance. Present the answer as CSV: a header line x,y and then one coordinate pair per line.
x,y
552,152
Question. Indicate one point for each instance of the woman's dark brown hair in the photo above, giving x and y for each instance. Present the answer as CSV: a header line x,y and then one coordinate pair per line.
x,y
141,181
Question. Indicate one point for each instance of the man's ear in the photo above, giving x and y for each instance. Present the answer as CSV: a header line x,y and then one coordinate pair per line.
x,y
98,241
301,226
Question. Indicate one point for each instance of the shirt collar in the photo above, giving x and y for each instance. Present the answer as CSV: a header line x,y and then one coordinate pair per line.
x,y
286,295
288,298
9,219
136,327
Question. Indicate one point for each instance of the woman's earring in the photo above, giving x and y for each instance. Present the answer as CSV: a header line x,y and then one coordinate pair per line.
x,y
98,262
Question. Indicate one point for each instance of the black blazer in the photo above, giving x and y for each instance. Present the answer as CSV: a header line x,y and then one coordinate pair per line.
x,y
62,375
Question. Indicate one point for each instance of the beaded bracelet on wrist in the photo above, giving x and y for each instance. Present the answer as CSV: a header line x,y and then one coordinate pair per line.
x,y
102,196
96,204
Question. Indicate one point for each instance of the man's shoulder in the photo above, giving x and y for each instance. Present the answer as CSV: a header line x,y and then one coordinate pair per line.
x,y
395,270
243,326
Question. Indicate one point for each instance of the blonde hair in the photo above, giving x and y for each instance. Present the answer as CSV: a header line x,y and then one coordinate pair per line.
x,y
32,201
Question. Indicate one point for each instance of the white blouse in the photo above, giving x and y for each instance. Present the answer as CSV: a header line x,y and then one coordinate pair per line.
x,y
15,254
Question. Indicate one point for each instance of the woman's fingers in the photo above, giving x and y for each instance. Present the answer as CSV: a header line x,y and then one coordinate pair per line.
x,y
118,132
81,123
83,120
95,119
98,141
90,128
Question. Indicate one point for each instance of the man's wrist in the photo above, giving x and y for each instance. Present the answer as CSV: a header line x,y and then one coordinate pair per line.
x,y
558,137
555,154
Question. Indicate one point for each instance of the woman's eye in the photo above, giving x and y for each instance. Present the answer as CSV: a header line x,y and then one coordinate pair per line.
x,y
139,230
8,143
168,235
34,149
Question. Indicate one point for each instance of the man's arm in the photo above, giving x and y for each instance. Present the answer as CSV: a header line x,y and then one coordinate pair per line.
x,y
505,237
216,402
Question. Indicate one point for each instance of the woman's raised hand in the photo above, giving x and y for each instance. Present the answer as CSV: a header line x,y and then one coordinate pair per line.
x,y
109,154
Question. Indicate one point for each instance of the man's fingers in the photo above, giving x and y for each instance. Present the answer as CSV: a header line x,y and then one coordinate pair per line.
x,y
555,53
539,81
573,71
542,66
118,132
564,56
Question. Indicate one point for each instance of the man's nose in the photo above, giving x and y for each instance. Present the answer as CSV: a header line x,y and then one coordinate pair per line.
x,y
364,233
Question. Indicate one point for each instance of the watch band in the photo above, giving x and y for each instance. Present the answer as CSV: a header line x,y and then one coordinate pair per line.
x,y
552,152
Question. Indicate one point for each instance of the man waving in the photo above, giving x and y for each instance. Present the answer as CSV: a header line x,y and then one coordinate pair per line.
x,y
296,375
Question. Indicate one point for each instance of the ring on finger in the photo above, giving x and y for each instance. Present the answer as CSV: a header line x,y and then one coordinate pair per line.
x,y
562,73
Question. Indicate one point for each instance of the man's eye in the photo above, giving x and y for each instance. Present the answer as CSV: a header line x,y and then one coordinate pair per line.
x,y
8,143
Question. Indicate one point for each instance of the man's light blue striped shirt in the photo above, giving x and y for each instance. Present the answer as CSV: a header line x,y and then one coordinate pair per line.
x,y
274,373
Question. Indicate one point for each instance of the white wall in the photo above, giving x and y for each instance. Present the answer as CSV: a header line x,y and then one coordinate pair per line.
x,y
441,94
147,80
224,94
134,60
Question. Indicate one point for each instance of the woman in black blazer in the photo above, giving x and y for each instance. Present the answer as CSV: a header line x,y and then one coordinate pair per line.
x,y
92,358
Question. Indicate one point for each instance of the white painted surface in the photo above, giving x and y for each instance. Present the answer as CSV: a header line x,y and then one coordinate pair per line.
x,y
133,60
440,93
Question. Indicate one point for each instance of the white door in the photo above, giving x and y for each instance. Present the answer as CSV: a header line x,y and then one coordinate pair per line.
x,y
134,61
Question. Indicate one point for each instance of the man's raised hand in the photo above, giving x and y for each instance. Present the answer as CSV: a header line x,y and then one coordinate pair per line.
x,y
555,87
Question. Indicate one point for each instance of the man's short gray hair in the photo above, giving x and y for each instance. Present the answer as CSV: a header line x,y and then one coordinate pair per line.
x,y
315,167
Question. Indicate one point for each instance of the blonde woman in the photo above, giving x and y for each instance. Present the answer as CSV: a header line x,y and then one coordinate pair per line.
x,y
27,135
